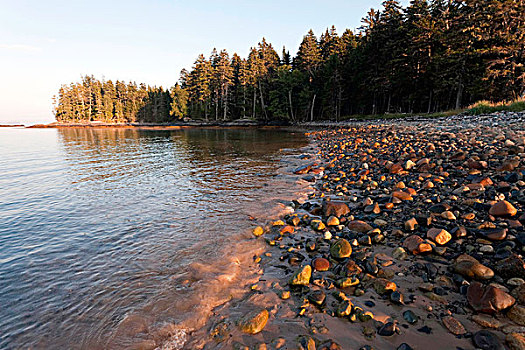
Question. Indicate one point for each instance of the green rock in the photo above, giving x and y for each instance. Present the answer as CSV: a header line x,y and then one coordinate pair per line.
x,y
341,249
254,321
344,308
347,282
302,276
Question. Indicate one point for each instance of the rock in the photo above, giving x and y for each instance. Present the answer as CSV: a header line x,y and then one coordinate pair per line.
x,y
404,196
468,266
317,225
410,316
383,286
503,208
306,343
302,276
345,308
411,225
513,266
388,329
516,341
517,314
258,231
335,208
332,221
347,282
399,253
439,236
495,234
416,245
302,169
486,340
254,321
397,298
320,264
317,297
453,325
359,226
448,215
488,299
404,346
341,249
487,321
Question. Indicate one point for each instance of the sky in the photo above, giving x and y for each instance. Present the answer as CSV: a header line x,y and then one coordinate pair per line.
x,y
44,44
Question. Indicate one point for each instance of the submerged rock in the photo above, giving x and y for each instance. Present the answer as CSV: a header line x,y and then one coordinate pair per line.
x,y
254,321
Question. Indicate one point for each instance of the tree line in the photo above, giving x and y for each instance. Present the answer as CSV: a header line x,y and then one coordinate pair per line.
x,y
430,56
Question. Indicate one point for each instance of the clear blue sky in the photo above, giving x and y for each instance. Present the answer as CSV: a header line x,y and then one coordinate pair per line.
x,y
44,44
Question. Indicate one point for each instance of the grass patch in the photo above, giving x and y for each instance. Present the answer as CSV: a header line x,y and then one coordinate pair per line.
x,y
487,107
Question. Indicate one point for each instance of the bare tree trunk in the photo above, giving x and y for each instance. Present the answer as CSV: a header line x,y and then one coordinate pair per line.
x,y
244,102
254,101
291,107
429,102
262,102
459,94
388,103
225,102
312,109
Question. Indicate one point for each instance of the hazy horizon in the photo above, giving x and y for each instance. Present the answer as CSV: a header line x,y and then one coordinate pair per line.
x,y
45,45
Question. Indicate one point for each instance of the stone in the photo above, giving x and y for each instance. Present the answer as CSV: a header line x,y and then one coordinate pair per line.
x,y
515,341
517,314
486,340
388,329
335,208
344,308
410,316
487,321
317,225
332,221
341,249
503,208
411,225
416,245
448,215
302,276
513,266
404,196
468,266
439,236
383,286
488,299
347,282
258,231
317,297
399,253
453,325
320,264
359,226
254,321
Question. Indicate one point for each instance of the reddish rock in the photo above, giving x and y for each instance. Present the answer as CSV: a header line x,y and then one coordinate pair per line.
x,y
359,226
396,168
439,236
416,245
404,196
503,208
321,264
453,325
335,208
488,299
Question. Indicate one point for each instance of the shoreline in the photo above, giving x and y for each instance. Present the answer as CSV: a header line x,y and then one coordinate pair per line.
x,y
414,203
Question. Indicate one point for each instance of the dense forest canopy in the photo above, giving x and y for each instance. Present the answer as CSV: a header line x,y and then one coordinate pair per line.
x,y
430,56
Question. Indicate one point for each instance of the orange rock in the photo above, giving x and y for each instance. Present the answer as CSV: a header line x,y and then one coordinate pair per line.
x,y
416,245
402,195
439,236
503,208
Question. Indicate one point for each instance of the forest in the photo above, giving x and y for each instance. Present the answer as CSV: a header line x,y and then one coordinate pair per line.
x,y
428,57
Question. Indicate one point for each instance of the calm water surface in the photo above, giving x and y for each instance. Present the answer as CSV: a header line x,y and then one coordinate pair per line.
x,y
101,228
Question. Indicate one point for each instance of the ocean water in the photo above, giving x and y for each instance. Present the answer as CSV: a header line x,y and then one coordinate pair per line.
x,y
127,238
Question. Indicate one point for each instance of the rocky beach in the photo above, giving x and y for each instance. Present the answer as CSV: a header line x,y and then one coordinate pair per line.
x,y
412,239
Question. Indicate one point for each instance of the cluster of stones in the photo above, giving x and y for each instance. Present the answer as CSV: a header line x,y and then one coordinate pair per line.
x,y
446,203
